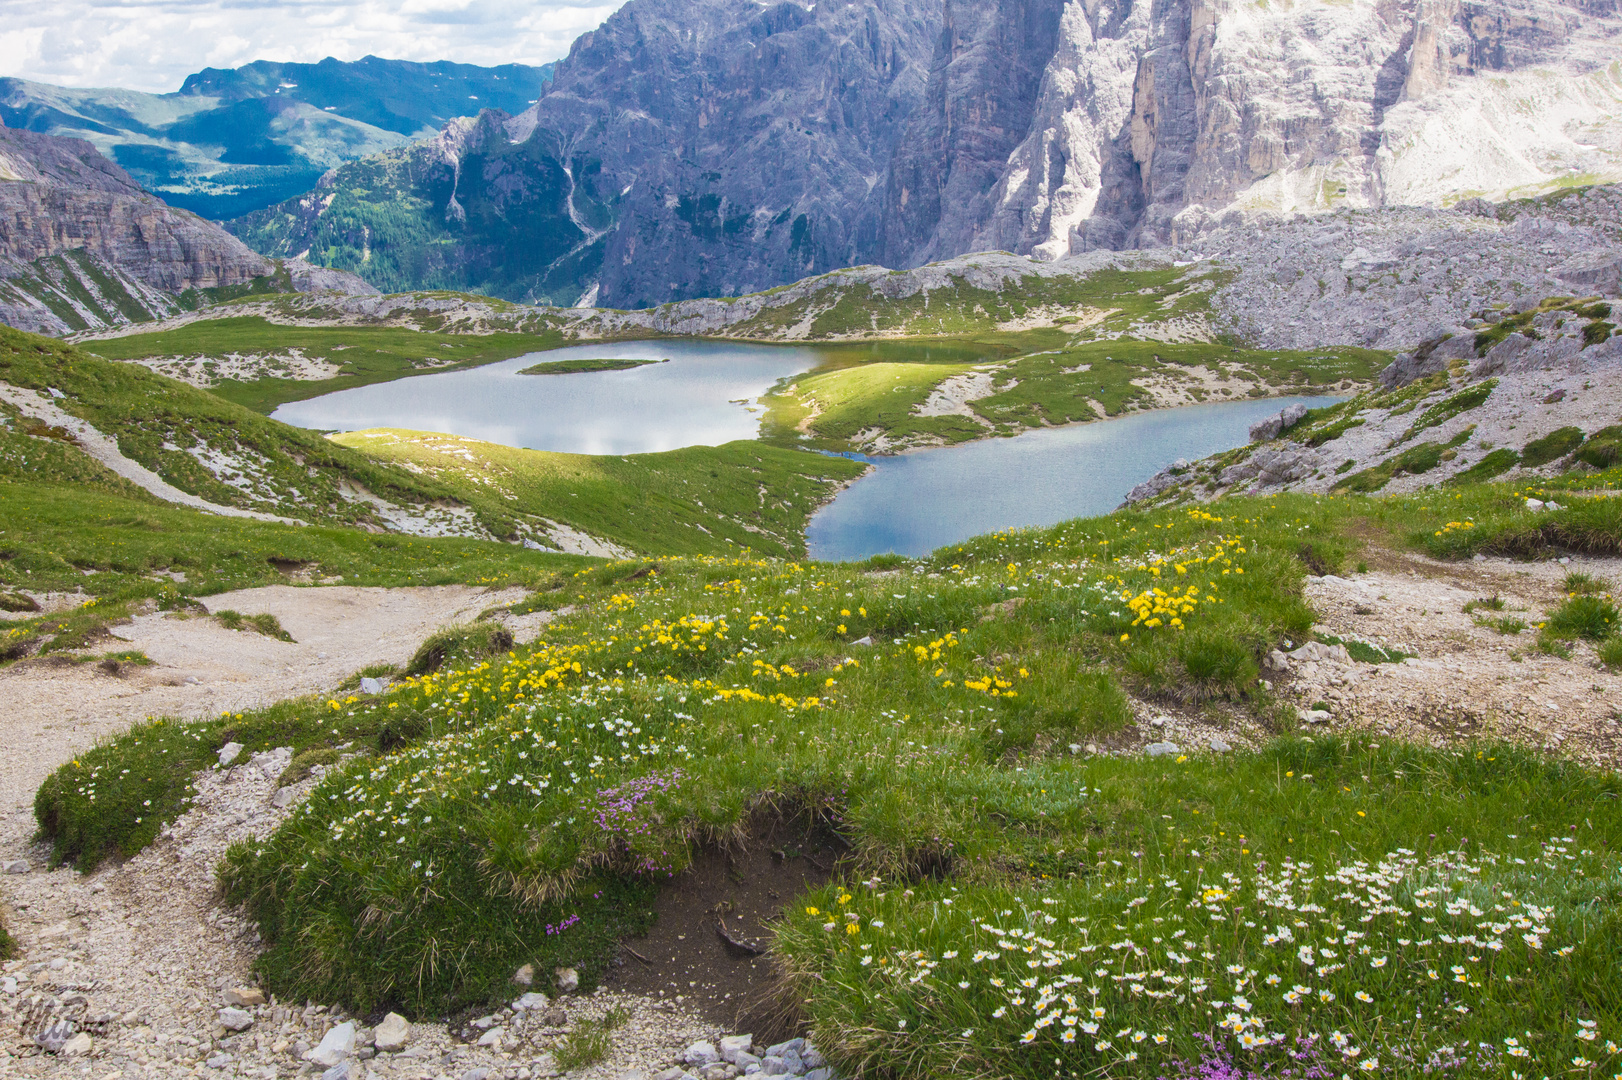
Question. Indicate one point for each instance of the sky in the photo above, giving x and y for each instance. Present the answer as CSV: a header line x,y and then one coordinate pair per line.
x,y
152,45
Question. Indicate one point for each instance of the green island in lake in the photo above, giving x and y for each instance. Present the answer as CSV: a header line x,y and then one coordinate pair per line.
x,y
577,367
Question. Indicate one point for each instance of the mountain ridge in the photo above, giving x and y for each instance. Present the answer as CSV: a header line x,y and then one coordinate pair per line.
x,y
83,246
719,148
233,140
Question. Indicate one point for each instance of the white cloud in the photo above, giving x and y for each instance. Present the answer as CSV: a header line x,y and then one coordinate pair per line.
x,y
152,45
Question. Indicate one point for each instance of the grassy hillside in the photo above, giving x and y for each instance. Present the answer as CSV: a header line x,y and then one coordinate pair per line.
x,y
1042,377
360,355
69,530
1005,908
204,445
1102,303
701,500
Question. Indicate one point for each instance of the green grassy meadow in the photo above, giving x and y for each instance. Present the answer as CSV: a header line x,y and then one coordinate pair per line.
x,y
365,354
1040,377
699,500
1005,908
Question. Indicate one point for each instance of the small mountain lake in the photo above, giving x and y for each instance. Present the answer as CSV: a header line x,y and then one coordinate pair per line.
x,y
910,504
913,503
704,397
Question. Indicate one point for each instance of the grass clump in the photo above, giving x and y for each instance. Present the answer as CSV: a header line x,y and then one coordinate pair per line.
x,y
1603,448
468,642
1491,467
1507,625
1592,618
589,1041
266,624
1610,653
1578,583
1447,409
1556,444
1369,653
112,800
17,603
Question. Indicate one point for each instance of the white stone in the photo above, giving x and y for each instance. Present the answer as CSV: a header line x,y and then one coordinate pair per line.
x,y
335,1046
1163,749
78,1046
529,1001
733,1045
701,1053
568,980
393,1033
244,997
235,1019
492,1037
229,752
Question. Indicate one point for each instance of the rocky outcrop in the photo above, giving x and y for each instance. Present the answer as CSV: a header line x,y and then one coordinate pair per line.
x,y
1158,121
984,83
83,247
1393,279
58,195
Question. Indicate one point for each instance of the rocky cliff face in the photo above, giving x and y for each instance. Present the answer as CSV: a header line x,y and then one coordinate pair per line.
x,y
82,246
60,194
984,84
1158,120
685,148
723,146
693,148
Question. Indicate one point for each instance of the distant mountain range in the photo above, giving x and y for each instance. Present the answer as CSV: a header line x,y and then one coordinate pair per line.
x,y
229,142
692,148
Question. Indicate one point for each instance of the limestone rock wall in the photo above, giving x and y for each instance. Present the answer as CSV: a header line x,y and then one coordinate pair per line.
x,y
1158,120
59,195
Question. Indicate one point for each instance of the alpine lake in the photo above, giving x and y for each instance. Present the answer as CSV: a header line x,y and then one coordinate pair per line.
x,y
688,393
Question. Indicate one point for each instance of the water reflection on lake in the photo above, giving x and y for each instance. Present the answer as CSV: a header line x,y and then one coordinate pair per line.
x,y
704,397
914,503
697,399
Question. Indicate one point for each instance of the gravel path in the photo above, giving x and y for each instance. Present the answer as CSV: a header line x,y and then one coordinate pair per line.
x,y
141,957
1465,679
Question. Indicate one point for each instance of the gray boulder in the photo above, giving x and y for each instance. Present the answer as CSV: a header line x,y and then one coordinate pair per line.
x,y
336,1045
235,1019
1594,272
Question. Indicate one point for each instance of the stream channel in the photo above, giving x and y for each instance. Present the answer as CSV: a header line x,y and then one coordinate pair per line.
x,y
910,504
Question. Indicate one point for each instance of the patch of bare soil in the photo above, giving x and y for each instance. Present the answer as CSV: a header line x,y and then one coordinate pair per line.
x,y
708,950
1466,677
